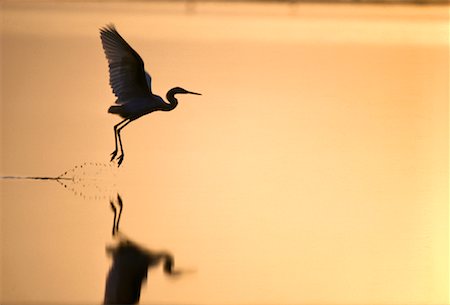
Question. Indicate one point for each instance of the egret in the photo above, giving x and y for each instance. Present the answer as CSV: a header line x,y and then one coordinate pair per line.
x,y
129,270
131,262
131,84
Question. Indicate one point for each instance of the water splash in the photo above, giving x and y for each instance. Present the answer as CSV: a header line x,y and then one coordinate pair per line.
x,y
89,180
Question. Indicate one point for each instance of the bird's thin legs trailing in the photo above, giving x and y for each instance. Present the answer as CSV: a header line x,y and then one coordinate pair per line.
x,y
114,220
119,201
120,159
116,127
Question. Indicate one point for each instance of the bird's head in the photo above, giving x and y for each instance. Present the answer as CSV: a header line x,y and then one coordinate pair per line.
x,y
178,90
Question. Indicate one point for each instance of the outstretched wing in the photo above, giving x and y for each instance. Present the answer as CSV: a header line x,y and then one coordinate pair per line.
x,y
127,76
149,81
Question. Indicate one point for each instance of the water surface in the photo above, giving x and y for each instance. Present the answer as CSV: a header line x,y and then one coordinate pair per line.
x,y
312,170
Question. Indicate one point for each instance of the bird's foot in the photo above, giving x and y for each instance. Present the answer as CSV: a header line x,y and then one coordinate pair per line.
x,y
113,155
119,160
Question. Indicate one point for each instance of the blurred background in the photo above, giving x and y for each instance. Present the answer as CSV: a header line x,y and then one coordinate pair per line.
x,y
312,170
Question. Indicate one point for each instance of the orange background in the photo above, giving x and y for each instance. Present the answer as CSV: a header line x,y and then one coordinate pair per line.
x,y
312,170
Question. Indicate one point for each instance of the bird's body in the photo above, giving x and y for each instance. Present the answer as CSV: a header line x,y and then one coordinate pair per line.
x,y
129,271
131,84
135,108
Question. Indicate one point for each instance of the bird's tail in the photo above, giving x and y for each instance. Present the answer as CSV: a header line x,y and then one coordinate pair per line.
x,y
114,109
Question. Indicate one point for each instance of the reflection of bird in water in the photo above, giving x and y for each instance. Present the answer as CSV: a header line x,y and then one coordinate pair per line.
x,y
131,84
129,271
130,265
116,220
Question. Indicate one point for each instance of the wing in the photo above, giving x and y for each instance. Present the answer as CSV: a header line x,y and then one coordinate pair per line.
x,y
127,76
149,81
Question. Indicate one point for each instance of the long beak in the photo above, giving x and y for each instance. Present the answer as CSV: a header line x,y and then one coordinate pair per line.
x,y
194,93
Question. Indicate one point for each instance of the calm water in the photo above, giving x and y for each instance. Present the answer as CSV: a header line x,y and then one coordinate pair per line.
x,y
312,170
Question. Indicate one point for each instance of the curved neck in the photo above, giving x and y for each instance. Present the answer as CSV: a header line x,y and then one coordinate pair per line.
x,y
173,102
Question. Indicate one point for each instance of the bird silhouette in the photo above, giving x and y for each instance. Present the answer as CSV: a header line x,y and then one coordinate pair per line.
x,y
129,270
131,262
131,84
116,220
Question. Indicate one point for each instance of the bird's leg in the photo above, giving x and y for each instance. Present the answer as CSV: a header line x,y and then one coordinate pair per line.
x,y
120,159
114,153
114,221
119,200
